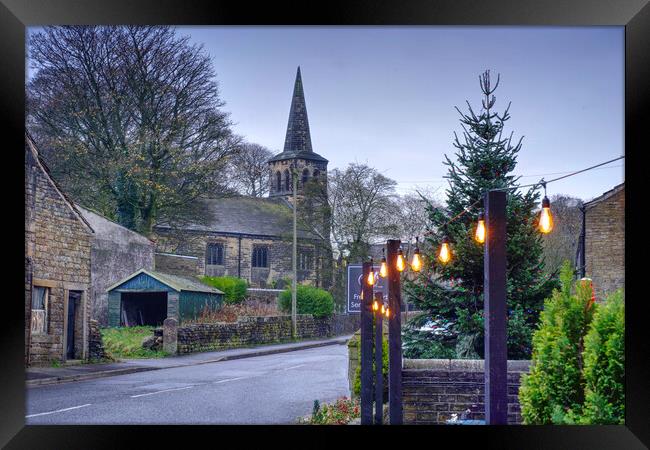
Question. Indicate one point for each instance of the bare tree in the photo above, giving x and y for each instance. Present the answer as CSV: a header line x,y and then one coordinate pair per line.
x,y
562,243
129,120
248,171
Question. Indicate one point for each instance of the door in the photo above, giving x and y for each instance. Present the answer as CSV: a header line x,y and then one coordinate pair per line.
x,y
74,298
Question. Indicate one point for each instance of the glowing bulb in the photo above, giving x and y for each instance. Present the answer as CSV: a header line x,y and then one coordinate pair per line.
x,y
401,264
416,263
383,309
545,218
371,278
479,236
383,270
387,313
445,253
375,305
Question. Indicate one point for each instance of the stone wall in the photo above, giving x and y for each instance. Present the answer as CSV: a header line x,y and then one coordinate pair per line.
x,y
95,342
182,265
238,254
116,253
57,243
434,389
250,331
605,242
269,296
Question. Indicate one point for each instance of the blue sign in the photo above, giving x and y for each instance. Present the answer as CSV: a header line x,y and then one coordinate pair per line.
x,y
355,275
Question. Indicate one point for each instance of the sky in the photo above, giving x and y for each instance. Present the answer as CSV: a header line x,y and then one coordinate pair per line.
x,y
385,96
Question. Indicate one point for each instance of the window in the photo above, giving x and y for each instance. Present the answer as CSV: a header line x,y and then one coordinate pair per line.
x,y
305,176
40,299
214,254
304,261
260,258
278,179
287,180
316,173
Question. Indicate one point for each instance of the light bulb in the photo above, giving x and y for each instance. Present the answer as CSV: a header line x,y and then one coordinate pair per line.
x,y
416,263
383,269
546,218
445,253
387,313
382,308
371,278
479,236
401,264
375,305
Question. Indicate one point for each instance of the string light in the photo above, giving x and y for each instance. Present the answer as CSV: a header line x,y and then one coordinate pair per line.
x,y
371,275
479,235
545,217
383,269
400,263
375,305
387,312
416,263
445,253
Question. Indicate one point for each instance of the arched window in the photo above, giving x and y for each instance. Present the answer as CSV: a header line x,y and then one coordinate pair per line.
x,y
287,180
305,176
316,173
278,178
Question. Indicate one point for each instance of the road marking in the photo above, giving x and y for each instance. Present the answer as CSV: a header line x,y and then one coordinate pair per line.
x,y
164,390
294,367
57,411
228,379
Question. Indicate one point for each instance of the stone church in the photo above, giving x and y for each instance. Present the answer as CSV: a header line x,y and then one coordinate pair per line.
x,y
251,237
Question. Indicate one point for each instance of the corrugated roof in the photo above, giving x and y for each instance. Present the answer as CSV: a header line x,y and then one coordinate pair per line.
x,y
175,282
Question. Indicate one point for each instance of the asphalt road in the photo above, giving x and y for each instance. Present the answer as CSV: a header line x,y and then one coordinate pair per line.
x,y
272,389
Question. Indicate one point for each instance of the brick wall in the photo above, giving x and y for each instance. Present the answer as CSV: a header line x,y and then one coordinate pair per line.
x,y
605,243
58,245
249,331
434,389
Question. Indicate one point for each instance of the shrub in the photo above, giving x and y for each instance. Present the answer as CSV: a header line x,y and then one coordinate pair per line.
x,y
234,288
555,384
604,364
309,300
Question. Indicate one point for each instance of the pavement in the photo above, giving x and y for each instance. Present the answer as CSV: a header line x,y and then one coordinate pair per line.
x,y
274,388
39,376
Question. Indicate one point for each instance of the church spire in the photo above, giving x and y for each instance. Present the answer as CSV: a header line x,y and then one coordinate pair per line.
x,y
298,138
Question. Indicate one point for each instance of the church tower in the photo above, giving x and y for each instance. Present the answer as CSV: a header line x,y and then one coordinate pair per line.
x,y
297,150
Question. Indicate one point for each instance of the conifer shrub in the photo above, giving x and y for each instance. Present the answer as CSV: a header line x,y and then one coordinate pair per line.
x,y
309,300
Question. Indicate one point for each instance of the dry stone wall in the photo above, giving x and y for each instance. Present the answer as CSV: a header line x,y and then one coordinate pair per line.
x,y
250,331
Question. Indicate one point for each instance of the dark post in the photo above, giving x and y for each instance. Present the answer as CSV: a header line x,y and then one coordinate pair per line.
x,y
379,354
394,335
366,348
496,352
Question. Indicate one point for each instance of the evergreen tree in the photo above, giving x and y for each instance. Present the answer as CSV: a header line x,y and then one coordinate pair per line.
x,y
453,293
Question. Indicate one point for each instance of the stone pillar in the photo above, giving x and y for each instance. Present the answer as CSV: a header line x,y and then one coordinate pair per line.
x,y
170,335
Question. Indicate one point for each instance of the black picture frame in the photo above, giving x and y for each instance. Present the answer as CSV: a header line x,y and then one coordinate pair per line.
x,y
634,15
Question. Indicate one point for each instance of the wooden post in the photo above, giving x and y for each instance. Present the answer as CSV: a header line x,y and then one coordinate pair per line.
x,y
366,347
496,351
394,335
379,354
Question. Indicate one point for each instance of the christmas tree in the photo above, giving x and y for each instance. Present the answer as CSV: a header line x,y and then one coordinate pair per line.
x,y
452,293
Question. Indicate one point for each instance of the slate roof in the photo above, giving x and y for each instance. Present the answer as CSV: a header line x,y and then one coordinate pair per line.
x,y
297,143
604,196
271,217
175,282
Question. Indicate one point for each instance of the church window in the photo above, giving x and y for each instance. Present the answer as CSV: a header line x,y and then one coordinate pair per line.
x,y
278,178
305,261
260,256
305,176
214,254
287,180
316,173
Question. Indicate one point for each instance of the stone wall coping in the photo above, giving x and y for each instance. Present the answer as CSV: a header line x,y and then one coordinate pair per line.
x,y
461,365
264,290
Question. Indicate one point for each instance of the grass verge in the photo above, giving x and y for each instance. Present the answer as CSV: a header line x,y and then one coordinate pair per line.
x,y
126,342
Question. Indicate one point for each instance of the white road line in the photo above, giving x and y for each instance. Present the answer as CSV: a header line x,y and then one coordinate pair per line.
x,y
228,379
294,367
158,392
57,411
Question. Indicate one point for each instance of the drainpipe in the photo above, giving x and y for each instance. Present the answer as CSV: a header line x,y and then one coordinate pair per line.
x,y
581,246
239,259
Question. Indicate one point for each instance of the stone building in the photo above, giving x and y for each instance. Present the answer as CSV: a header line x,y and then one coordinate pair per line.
x,y
115,253
601,256
251,238
57,262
